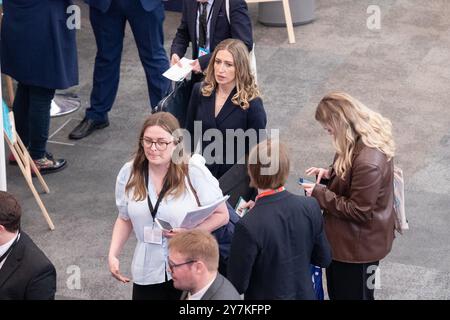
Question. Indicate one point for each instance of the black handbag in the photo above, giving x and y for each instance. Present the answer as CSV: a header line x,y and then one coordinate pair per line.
x,y
177,101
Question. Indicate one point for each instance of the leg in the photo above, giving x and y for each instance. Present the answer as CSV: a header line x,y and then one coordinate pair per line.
x,y
21,109
109,30
147,29
39,120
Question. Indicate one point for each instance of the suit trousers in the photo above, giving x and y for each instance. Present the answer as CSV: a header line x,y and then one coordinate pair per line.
x,y
351,281
109,31
32,117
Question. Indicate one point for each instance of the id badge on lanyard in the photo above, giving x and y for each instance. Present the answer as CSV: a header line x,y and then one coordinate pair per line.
x,y
152,234
202,51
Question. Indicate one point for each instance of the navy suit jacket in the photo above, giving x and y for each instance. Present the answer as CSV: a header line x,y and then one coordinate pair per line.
x,y
231,116
37,48
103,5
240,27
273,246
27,274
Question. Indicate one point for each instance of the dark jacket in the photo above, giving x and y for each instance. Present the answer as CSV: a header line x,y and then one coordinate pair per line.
x,y
231,116
359,211
240,27
103,5
273,248
37,47
220,289
27,274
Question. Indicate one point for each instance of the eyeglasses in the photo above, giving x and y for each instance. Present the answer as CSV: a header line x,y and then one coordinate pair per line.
x,y
173,265
160,145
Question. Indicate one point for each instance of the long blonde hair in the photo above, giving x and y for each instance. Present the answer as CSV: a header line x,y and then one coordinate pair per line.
x,y
246,87
350,119
177,171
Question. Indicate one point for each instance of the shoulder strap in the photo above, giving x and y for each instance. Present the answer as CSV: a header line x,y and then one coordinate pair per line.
x,y
227,9
193,190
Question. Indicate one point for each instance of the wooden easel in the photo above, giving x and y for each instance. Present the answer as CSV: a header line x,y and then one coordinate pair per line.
x,y
287,17
26,164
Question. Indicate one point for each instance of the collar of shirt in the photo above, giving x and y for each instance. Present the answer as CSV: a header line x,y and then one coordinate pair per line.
x,y
5,247
200,293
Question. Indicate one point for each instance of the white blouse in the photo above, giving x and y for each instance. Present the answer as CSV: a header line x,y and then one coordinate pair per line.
x,y
149,260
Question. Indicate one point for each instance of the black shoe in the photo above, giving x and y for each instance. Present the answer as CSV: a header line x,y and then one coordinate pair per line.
x,y
86,127
49,165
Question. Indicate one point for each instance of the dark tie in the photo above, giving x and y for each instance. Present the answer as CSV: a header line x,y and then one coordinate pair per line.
x,y
203,25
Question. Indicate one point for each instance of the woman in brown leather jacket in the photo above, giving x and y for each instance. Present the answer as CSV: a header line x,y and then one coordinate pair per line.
x,y
357,199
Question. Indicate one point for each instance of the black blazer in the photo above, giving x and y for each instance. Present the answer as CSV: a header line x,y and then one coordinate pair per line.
x,y
27,274
240,27
220,289
231,116
37,48
273,246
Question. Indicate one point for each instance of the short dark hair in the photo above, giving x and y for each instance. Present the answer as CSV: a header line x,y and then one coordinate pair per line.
x,y
279,161
10,212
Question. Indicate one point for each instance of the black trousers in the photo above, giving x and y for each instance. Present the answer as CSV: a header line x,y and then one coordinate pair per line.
x,y
159,291
351,281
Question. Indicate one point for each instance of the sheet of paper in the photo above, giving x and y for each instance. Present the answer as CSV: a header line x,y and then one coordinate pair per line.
x,y
177,73
195,217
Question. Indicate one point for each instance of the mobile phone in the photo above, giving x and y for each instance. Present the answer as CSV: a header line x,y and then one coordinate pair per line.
x,y
239,210
164,225
302,180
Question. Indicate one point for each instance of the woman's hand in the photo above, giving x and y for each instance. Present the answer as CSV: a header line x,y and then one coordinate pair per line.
x,y
114,268
320,172
309,187
174,231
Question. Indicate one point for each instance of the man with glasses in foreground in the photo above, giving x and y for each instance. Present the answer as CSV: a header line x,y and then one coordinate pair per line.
x,y
193,262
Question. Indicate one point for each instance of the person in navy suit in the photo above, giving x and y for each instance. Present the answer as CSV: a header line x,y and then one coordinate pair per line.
x,y
25,272
275,242
38,49
108,19
215,27
228,99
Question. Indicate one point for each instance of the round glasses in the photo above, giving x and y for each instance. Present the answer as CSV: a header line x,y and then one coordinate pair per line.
x,y
159,144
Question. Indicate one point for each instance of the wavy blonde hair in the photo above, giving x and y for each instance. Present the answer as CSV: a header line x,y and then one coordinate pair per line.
x,y
247,90
350,119
177,171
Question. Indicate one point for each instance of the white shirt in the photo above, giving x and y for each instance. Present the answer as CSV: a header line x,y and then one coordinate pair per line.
x,y
208,17
5,247
200,293
149,260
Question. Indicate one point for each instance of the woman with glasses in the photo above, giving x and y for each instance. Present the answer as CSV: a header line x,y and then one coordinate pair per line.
x,y
158,183
357,198
227,99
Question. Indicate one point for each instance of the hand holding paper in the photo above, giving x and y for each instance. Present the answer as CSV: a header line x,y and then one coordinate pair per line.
x,y
177,73
195,217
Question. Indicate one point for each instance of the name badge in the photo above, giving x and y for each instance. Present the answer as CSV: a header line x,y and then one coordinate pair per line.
x,y
152,235
202,51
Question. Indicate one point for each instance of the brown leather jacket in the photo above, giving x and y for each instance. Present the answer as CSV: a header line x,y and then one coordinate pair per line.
x,y
358,211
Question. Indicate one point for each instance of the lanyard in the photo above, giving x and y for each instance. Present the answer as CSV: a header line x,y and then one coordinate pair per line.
x,y
154,210
3,257
269,192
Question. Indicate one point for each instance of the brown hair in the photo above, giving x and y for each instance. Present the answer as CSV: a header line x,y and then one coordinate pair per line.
x,y
10,212
197,244
177,171
351,120
279,160
246,87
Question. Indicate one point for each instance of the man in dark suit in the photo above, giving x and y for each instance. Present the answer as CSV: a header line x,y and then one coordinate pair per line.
x,y
108,19
193,262
25,271
276,242
38,50
205,24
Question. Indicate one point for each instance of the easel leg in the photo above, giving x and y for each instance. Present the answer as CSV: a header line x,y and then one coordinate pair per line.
x,y
288,19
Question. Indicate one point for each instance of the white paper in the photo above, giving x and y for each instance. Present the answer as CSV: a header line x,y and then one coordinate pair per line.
x,y
195,217
177,73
